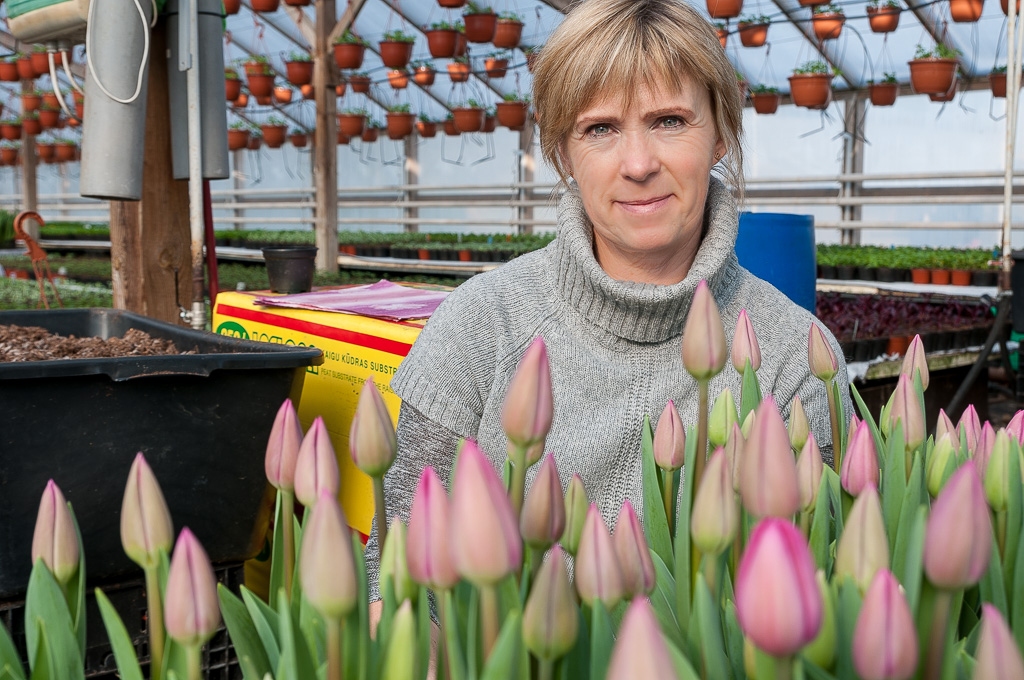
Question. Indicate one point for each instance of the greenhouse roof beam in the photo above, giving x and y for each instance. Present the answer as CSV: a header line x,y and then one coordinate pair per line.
x,y
13,44
803,26
346,20
302,43
425,90
560,5
305,27
939,35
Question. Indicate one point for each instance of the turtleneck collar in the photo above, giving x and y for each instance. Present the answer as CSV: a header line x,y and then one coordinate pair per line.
x,y
641,312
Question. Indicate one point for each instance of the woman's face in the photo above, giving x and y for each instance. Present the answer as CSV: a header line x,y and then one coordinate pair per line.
x,y
643,177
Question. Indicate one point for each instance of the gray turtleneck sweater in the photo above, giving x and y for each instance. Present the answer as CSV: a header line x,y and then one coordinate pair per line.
x,y
615,353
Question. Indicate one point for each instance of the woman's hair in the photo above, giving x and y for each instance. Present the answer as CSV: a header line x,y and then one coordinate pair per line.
x,y
609,47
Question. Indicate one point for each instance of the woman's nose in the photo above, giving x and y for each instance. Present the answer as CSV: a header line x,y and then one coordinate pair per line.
x,y
640,157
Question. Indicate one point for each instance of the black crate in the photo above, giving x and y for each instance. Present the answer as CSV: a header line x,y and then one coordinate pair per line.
x,y
129,598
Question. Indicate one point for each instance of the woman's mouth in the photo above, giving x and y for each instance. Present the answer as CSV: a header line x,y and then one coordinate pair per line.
x,y
645,206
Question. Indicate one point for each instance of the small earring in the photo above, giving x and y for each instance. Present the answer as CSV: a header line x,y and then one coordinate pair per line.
x,y
718,156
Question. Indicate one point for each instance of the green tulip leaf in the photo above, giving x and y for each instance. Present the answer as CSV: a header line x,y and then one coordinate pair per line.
x,y
655,520
733,638
576,664
175,661
835,491
76,590
265,620
359,620
472,635
848,603
277,551
42,661
865,415
912,494
684,669
1017,606
894,487
663,600
9,673
120,641
843,419
1014,516
10,660
452,640
506,659
750,392
913,566
992,585
389,608
242,631
602,641
45,602
295,660
706,630
812,672
821,526
423,634
681,568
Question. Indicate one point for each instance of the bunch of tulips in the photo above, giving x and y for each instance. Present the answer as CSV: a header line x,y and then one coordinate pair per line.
x,y
903,559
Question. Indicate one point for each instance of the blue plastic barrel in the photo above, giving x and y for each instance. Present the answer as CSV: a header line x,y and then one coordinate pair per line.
x,y
779,248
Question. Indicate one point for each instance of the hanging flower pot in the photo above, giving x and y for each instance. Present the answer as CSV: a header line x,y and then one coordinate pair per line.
x,y
754,31
883,94
1005,4
30,124
9,71
30,101
299,71
997,82
450,129
468,118
46,151
884,19
932,74
966,11
370,134
9,155
442,42
49,117
238,138
461,45
360,83
480,26
724,9
232,6
352,123
40,63
298,3
349,50
265,100
400,124
80,111
490,122
25,70
423,75
723,34
508,31
339,90
810,90
426,128
255,142
10,130
342,139
298,139
274,134
496,67
398,79
765,100
261,85
232,84
396,49
452,4
308,93
50,100
265,6
828,22
532,53
512,114
458,71
66,152
282,94
240,103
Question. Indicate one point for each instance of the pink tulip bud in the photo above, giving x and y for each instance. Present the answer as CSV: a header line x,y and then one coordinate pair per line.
x,y
863,547
670,439
1015,428
860,464
542,520
885,639
371,440
943,425
984,449
327,568
283,447
598,574
55,540
744,344
723,416
528,409
915,361
799,428
734,454
704,349
906,409
971,424
640,650
769,485
192,613
550,618
854,423
997,657
809,469
146,527
316,470
778,603
714,519
958,538
820,356
430,563
634,557
483,536
576,507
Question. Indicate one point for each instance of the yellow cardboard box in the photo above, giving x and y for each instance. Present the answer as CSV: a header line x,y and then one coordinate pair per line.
x,y
355,347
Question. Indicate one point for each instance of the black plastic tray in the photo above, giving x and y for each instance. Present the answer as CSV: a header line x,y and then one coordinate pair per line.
x,y
202,421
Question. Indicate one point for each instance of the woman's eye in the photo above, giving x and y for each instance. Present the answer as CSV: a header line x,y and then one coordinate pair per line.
x,y
599,130
672,122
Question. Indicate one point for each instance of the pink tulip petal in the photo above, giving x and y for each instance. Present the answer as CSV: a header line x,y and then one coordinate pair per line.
x,y
958,538
429,560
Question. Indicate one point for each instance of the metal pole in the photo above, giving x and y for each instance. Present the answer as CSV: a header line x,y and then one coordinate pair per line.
x,y
189,60
1014,37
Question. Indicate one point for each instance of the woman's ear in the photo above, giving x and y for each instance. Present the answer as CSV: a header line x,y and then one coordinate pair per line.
x,y
720,149
563,159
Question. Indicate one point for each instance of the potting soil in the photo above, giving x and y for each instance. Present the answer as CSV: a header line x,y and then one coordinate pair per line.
x,y
33,343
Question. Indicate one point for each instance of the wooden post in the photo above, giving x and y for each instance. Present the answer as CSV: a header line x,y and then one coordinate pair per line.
x,y
325,143
149,239
411,176
29,164
853,163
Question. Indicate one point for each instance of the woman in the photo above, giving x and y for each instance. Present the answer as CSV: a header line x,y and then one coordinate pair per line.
x,y
636,104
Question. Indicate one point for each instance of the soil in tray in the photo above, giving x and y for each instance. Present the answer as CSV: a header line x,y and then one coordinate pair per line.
x,y
32,343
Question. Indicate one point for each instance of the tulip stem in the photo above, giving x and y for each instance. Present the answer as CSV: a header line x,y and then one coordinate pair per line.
x,y
936,650
833,417
489,621
783,668
156,623
1000,525
517,484
547,669
193,661
702,433
334,631
806,520
382,516
443,598
667,485
288,534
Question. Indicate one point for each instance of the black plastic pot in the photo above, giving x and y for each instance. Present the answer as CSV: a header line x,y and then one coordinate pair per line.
x,y
202,420
845,272
290,269
826,271
867,273
888,275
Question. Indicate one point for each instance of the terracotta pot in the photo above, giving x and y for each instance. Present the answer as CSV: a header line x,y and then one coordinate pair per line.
x,y
265,100
46,151
898,345
424,76
508,33
450,129
966,11
50,100
232,88
961,277
66,152
25,70
426,129
458,71
920,275
765,102
512,114
350,124
240,103
265,5
812,3
349,55
359,84
11,131
1005,4
9,71
398,79
490,123
947,96
370,134
932,75
940,277
469,119
255,142
343,139
724,9
49,118
480,28
395,54
31,126
283,95
80,111
298,140
496,68
400,124
299,72
8,155
828,26
753,35
465,256
339,90
883,19
30,101
308,93
237,139
997,81
41,63
811,90
232,6
723,36
442,42
274,135
883,94
261,85
461,45
298,3
452,4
